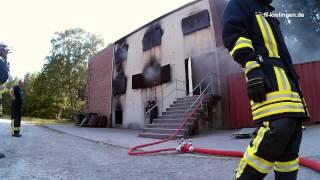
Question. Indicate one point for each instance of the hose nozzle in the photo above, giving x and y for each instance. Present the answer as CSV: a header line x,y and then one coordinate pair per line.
x,y
185,145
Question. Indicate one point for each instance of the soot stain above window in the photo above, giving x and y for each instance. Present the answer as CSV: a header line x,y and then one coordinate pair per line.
x,y
195,22
152,37
121,53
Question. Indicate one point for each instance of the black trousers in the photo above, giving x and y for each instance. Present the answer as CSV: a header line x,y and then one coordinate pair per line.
x,y
16,111
276,146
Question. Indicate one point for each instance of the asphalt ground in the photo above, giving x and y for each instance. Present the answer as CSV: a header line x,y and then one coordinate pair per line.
x,y
43,153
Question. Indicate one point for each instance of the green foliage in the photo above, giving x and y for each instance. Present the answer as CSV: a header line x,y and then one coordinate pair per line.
x,y
58,91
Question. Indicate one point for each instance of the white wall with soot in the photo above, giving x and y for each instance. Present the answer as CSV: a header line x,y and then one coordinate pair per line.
x,y
174,49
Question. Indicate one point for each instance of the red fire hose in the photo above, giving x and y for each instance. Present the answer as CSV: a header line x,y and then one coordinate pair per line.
x,y
173,136
186,147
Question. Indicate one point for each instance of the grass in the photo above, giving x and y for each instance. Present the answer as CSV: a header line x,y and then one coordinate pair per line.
x,y
41,121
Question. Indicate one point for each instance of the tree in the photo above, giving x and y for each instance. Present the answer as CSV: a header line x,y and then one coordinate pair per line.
x,y
60,86
30,97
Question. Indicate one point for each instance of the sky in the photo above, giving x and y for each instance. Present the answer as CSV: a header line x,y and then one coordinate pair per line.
x,y
27,26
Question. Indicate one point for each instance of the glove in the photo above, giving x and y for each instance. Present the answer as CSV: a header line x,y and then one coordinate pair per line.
x,y
255,82
256,90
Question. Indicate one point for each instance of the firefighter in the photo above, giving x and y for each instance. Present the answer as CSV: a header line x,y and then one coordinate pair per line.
x,y
4,65
255,42
4,68
16,108
153,113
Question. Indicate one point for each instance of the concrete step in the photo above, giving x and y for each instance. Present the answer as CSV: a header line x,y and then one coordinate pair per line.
x,y
170,121
163,131
174,112
177,108
175,116
185,100
188,97
166,125
194,97
157,136
182,105
190,101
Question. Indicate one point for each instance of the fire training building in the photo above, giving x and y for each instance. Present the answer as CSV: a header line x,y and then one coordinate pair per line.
x,y
166,59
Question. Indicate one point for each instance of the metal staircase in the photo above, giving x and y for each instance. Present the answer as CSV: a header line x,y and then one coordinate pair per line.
x,y
170,120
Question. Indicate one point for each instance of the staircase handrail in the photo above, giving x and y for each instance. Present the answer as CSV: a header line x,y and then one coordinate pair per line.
x,y
176,89
196,100
208,75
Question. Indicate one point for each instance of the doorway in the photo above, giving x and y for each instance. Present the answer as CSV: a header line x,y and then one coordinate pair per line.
x,y
118,117
188,70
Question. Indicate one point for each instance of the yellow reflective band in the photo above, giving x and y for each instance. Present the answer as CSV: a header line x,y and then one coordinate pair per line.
x,y
257,140
282,79
258,105
268,36
241,43
277,97
273,40
242,165
283,93
276,106
279,112
287,166
251,65
16,128
286,80
279,82
283,107
257,163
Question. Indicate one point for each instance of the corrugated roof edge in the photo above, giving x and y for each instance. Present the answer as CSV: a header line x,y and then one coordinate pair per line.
x,y
157,19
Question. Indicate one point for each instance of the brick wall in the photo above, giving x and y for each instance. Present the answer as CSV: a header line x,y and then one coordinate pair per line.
x,y
99,90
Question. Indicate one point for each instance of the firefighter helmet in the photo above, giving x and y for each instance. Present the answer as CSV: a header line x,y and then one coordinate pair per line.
x,y
4,48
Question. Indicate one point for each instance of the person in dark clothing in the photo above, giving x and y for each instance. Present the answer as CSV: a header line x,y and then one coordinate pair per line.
x,y
4,69
153,113
16,108
255,42
4,64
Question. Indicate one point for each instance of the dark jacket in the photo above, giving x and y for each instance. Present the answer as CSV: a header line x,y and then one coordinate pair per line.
x,y
16,105
18,93
255,41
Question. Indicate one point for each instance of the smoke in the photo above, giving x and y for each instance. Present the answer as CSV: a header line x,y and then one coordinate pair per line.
x,y
118,105
121,52
301,34
152,73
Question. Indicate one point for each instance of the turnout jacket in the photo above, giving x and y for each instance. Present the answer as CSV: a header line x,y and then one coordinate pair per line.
x,y
16,105
254,40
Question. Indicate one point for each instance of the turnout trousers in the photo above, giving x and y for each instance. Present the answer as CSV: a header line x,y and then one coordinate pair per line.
x,y
15,118
276,147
